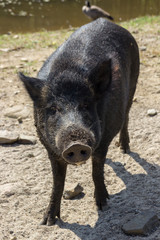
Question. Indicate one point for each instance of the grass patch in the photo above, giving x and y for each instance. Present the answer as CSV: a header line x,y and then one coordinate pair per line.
x,y
34,40
53,39
141,22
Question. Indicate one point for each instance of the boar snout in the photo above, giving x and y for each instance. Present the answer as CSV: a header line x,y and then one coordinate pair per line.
x,y
77,153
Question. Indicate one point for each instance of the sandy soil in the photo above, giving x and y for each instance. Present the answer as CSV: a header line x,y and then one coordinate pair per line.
x,y
133,181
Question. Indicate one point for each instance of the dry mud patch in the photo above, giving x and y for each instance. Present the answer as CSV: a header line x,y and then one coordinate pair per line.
x,y
133,180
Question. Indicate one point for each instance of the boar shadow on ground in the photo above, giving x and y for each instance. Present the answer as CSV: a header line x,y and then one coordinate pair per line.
x,y
140,187
129,178
137,185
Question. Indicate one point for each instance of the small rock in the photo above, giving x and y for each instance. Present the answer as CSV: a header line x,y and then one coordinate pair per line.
x,y
17,112
73,192
22,14
7,189
152,56
134,99
135,31
24,139
4,49
15,36
151,112
143,48
142,224
20,120
24,59
7,137
10,137
14,238
3,67
16,92
30,155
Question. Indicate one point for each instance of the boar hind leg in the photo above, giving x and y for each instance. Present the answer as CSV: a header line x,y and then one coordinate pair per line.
x,y
124,136
53,210
100,193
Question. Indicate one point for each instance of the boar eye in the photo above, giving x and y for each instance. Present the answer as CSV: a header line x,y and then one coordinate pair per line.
x,y
84,106
53,110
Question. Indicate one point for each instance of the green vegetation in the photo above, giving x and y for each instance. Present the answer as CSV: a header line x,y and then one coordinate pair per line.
x,y
141,21
54,38
34,40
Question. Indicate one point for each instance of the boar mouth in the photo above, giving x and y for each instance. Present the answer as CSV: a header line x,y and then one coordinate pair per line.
x,y
77,153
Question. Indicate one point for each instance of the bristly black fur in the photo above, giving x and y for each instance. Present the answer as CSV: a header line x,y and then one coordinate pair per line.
x,y
82,96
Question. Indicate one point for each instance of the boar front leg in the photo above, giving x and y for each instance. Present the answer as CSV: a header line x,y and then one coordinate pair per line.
x,y
98,177
59,173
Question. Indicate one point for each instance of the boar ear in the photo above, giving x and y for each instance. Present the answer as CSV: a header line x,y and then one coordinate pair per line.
x,y
100,77
33,86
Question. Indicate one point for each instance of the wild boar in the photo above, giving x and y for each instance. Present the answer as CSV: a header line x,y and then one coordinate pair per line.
x,y
82,96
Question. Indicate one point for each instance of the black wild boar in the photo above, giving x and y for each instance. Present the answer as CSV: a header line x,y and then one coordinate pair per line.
x,y
82,96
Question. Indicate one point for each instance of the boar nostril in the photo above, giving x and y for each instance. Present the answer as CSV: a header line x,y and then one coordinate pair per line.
x,y
83,152
71,154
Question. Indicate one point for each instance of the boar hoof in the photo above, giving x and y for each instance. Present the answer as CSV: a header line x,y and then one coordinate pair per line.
x,y
125,149
49,219
101,202
103,206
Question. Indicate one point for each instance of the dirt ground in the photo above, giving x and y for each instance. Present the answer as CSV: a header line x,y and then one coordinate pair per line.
x,y
132,180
